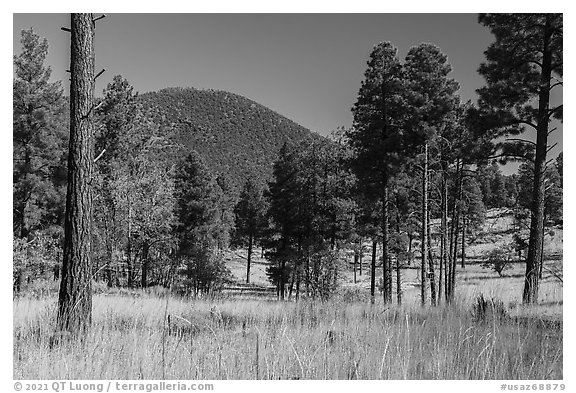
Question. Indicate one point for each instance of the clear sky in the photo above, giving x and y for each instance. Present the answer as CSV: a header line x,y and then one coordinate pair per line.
x,y
307,67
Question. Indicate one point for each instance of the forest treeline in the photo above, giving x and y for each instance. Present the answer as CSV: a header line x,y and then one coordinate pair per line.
x,y
182,175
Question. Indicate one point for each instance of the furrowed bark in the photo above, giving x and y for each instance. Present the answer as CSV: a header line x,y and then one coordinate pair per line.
x,y
75,297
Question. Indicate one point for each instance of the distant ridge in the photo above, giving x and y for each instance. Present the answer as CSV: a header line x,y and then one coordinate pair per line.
x,y
236,136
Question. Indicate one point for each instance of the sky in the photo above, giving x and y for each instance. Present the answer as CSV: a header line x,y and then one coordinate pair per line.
x,y
307,67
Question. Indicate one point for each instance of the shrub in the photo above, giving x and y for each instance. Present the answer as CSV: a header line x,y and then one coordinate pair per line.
x,y
484,310
499,260
35,258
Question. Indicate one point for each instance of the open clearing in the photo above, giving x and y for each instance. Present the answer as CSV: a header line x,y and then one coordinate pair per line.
x,y
142,335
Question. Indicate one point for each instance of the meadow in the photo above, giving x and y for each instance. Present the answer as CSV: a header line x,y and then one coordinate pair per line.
x,y
150,337
154,335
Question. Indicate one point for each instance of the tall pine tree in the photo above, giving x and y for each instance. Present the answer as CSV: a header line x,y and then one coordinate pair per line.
x,y
522,67
376,137
250,214
432,101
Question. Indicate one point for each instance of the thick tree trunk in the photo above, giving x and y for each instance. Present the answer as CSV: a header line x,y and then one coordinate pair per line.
x,y
531,282
75,297
424,245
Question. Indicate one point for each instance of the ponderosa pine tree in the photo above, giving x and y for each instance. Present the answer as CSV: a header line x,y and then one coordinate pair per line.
x,y
250,214
431,102
197,229
75,297
456,152
283,197
116,143
226,201
39,140
522,67
133,183
376,137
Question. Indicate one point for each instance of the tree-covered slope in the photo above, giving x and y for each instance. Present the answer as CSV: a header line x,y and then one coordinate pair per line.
x,y
236,136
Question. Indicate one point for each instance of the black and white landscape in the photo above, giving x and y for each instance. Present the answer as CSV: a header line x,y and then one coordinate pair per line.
x,y
410,228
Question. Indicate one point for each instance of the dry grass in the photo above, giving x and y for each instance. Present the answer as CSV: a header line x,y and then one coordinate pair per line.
x,y
150,337
224,339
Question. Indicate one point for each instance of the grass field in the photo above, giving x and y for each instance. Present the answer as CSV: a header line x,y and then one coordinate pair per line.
x,y
169,338
146,336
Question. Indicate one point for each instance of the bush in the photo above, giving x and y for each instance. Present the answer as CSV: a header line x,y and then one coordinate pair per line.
x,y
485,310
325,269
35,258
354,295
499,260
203,273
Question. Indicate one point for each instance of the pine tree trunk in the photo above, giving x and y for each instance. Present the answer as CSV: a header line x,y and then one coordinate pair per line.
x,y
454,231
250,244
432,274
542,250
145,263
109,257
292,282
443,234
386,273
531,282
424,245
463,260
307,272
355,263
398,272
282,284
360,258
398,281
129,265
75,296
373,271
454,255
298,285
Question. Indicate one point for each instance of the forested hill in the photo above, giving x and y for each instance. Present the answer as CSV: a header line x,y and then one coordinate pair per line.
x,y
236,136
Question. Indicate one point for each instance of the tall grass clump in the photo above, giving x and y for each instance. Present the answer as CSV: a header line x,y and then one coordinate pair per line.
x,y
148,337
